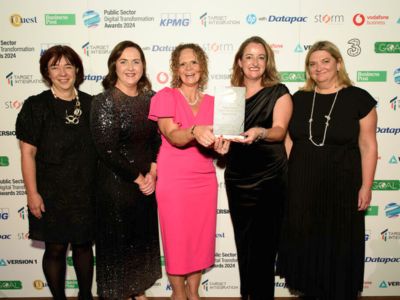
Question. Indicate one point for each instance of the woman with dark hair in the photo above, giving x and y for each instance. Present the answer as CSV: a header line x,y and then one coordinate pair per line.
x,y
58,164
127,245
187,184
256,168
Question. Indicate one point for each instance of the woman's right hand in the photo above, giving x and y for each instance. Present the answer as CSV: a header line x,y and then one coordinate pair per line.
x,y
36,205
204,135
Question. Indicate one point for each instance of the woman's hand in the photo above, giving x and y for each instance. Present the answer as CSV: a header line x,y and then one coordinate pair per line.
x,y
147,184
364,198
221,145
203,134
36,205
252,135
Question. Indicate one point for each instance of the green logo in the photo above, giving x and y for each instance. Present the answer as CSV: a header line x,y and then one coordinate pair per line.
x,y
371,76
59,19
4,162
387,47
386,185
294,76
11,285
71,284
162,260
372,210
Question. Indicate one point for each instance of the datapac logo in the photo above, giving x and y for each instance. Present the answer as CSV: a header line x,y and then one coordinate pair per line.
x,y
175,20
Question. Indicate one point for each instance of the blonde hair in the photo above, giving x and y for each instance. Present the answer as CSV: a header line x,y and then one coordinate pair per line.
x,y
332,49
270,76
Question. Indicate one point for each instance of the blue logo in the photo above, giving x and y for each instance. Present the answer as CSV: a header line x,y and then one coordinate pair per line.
x,y
175,20
396,75
392,210
91,18
4,214
251,19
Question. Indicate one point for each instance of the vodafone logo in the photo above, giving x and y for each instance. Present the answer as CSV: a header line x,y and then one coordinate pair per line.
x,y
162,77
358,19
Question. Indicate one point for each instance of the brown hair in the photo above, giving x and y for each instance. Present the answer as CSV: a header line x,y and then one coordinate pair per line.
x,y
111,78
55,54
270,76
203,62
343,77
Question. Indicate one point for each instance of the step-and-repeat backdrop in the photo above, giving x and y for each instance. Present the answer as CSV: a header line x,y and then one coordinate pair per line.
x,y
367,32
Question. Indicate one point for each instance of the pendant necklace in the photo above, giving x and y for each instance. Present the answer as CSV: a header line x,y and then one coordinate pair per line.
x,y
193,102
74,117
327,117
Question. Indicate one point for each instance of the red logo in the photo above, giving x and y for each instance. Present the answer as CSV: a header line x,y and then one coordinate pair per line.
x,y
358,19
162,77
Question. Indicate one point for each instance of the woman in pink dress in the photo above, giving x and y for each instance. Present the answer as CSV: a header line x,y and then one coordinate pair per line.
x,y
186,188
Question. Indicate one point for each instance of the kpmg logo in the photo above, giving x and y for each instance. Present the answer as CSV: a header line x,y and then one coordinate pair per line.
x,y
386,185
387,47
4,161
360,19
392,210
4,214
251,19
284,19
355,47
91,18
371,76
394,103
175,20
329,19
396,76
16,20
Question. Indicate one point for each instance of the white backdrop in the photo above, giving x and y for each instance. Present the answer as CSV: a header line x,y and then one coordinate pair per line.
x,y
367,32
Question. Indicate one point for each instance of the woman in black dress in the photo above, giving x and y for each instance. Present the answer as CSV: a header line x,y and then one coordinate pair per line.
x,y
255,174
127,245
58,164
331,168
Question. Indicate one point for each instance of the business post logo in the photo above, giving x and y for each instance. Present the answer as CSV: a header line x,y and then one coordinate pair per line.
x,y
293,76
371,76
175,19
355,47
16,20
59,19
372,210
387,47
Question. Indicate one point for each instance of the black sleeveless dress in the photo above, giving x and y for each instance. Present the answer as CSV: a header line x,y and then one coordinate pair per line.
x,y
255,179
322,246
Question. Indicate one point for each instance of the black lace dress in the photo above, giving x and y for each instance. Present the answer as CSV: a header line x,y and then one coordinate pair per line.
x,y
65,167
127,240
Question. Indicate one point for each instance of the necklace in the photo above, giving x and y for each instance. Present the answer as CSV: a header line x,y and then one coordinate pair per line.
x,y
74,117
327,117
193,102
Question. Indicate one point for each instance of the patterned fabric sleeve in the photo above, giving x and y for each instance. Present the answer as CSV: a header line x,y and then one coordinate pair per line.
x,y
105,127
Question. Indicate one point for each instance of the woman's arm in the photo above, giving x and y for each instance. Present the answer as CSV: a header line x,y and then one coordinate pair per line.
x,y
369,155
28,164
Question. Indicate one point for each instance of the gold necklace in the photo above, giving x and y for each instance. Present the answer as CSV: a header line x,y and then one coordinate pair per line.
x,y
193,102
74,117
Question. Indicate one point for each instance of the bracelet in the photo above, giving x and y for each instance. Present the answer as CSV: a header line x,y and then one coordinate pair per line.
x,y
262,135
192,130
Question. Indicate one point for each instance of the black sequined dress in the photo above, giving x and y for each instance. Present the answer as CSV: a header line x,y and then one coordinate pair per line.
x,y
127,240
65,167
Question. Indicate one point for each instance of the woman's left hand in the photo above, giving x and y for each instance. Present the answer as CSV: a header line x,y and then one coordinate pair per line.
x,y
149,185
221,145
250,136
364,198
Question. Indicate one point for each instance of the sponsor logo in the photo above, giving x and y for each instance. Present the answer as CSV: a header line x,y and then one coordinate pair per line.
x,y
162,77
216,47
387,47
329,19
22,212
371,76
18,261
301,48
16,20
204,285
372,210
39,284
394,103
387,235
175,20
7,133
383,260
17,79
220,235
91,18
10,79
220,76
4,161
284,19
89,50
5,236
92,77
360,19
10,285
367,235
396,75
4,214
23,235
208,285
280,284
355,48
386,185
71,284
392,210
388,284
251,19
59,19
389,130
222,211
207,20
394,160
293,76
